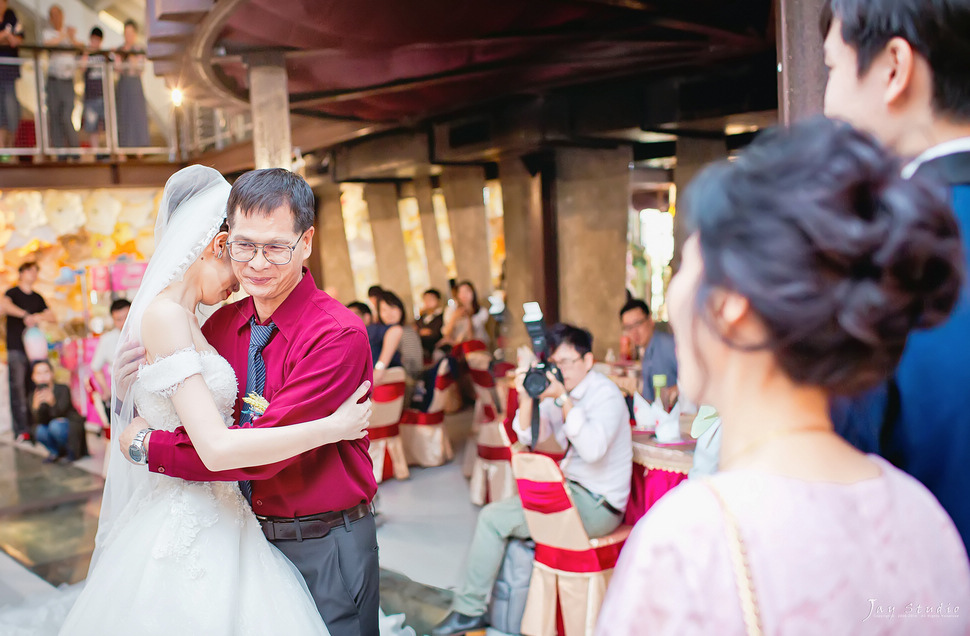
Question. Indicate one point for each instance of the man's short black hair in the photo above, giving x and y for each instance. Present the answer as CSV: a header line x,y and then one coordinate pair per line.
x,y
374,290
120,304
361,307
96,32
28,265
635,303
579,339
261,192
936,29
433,292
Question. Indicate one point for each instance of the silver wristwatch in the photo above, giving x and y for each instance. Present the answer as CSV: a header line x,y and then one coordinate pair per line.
x,y
137,449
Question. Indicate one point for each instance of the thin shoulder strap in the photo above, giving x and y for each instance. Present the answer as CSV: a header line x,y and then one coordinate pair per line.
x,y
742,568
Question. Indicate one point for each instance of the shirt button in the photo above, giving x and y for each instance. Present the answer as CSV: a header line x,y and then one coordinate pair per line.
x,y
259,502
161,469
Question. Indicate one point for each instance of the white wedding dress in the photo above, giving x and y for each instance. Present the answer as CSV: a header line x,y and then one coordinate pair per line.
x,y
183,557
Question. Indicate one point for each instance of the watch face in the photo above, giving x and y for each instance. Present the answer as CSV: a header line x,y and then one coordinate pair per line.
x,y
134,451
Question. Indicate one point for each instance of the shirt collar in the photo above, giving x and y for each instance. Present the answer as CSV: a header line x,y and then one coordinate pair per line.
x,y
287,315
951,147
580,391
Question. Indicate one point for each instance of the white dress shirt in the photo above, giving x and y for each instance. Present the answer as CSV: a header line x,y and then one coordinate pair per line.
x,y
951,147
596,434
104,353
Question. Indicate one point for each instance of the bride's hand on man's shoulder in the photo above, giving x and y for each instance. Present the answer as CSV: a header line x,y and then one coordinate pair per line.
x,y
350,420
131,355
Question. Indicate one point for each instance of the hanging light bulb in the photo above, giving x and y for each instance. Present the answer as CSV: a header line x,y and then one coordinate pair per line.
x,y
177,97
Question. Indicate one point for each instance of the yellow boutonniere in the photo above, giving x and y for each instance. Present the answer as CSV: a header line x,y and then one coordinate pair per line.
x,y
257,404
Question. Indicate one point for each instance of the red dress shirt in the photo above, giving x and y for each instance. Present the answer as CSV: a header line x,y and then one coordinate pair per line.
x,y
316,360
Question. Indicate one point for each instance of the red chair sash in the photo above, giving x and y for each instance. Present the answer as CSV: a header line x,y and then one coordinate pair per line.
x,y
383,432
488,411
444,381
585,561
495,453
545,497
387,392
467,347
410,416
482,378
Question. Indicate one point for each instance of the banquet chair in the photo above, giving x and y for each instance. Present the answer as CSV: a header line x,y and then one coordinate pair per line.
x,y
423,433
491,469
571,571
386,449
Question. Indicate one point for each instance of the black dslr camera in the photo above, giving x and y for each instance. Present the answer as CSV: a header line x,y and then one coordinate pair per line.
x,y
535,381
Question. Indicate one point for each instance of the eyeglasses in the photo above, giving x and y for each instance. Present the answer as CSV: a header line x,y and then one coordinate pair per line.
x,y
634,325
565,362
274,253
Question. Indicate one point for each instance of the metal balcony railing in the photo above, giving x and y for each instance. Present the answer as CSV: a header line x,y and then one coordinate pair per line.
x,y
188,131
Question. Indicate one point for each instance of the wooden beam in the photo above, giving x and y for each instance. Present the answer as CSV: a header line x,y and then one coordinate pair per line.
x,y
182,10
131,174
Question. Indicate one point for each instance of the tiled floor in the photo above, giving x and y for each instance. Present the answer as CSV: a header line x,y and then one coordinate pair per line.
x,y
48,519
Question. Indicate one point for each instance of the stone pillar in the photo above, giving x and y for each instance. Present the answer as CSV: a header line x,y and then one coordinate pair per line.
x,y
463,188
592,209
693,153
429,228
522,203
801,68
270,103
332,253
385,221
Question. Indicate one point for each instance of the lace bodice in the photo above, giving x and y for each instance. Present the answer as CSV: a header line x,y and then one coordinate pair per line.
x,y
157,383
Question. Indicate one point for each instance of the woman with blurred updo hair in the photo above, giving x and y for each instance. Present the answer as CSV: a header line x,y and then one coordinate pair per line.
x,y
809,262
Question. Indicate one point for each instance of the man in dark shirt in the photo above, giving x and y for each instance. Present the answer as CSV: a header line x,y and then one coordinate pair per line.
x,y
11,36
24,308
898,69
93,65
431,322
657,347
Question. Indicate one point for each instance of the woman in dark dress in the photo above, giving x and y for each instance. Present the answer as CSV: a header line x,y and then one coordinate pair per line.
x,y
130,97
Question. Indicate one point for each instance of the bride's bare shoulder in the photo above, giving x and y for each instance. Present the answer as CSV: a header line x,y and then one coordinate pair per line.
x,y
166,328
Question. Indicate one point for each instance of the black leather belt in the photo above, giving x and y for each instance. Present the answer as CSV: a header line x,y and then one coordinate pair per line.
x,y
606,504
309,527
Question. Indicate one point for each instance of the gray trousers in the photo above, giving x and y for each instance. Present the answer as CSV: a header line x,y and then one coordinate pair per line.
x,y
502,520
343,575
60,105
17,369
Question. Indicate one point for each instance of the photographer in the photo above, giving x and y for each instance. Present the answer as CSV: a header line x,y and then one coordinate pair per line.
x,y
57,424
587,414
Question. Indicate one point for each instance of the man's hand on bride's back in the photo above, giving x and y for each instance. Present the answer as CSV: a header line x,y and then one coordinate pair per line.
x,y
350,420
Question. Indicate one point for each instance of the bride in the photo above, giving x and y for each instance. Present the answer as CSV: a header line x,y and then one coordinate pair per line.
x,y
173,556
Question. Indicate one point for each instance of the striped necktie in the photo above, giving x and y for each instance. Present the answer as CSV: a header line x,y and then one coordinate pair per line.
x,y
259,337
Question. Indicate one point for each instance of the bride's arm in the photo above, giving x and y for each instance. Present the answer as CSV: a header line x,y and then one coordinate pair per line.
x,y
166,330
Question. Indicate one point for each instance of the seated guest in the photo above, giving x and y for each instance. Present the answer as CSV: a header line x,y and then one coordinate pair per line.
x,y
57,424
374,295
431,321
385,336
656,347
588,416
362,311
810,260
468,320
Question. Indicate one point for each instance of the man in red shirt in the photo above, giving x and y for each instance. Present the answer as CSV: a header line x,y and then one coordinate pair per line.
x,y
314,507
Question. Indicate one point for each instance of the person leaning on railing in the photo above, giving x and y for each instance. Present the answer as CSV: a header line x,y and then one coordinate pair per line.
x,y
11,36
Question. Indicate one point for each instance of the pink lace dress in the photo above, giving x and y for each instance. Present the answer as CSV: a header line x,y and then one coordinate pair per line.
x,y
876,557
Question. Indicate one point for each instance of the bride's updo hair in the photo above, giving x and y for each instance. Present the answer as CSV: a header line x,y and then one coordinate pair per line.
x,y
838,255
